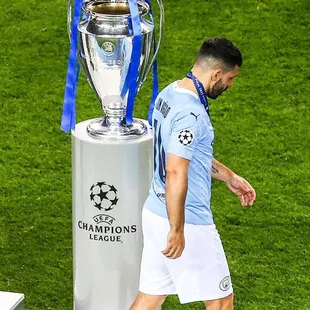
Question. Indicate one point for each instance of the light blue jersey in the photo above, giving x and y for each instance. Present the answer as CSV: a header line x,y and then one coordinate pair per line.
x,y
182,127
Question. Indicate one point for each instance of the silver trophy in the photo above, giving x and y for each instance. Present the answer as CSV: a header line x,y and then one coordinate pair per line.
x,y
105,48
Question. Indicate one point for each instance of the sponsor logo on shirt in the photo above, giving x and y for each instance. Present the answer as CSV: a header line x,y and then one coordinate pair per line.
x,y
196,116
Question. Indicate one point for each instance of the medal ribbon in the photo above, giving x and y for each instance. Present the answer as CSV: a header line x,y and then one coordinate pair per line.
x,y
200,90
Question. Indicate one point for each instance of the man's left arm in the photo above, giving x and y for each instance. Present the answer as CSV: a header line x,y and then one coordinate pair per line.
x,y
235,183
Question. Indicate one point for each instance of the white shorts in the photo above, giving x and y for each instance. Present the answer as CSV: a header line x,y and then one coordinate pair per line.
x,y
200,274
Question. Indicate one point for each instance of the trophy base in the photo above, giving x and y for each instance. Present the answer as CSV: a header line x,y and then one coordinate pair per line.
x,y
102,129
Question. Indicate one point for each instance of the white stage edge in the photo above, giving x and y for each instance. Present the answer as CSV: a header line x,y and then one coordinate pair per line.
x,y
11,301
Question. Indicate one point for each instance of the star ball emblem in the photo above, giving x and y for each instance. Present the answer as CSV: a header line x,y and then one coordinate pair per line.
x,y
185,137
103,196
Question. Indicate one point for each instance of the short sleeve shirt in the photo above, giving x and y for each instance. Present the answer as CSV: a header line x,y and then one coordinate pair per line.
x,y
182,127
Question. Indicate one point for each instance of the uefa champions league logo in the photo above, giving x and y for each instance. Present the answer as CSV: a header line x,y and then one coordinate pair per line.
x,y
103,196
103,227
108,48
186,137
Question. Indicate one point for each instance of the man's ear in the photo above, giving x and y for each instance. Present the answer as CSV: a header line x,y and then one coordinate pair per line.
x,y
216,75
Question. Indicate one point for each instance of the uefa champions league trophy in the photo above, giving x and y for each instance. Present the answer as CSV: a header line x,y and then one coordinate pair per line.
x,y
105,53
112,156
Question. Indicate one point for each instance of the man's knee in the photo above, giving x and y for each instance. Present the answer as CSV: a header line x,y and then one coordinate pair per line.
x,y
226,303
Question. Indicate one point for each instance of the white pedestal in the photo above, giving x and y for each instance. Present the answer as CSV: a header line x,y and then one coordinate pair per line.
x,y
11,301
111,180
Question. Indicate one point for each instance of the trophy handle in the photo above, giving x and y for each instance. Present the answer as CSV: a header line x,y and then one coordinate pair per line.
x,y
161,29
69,18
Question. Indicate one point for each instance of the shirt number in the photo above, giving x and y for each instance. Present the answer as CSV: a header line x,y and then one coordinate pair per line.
x,y
159,154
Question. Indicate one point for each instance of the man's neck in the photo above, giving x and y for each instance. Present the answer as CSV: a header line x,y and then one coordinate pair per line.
x,y
201,76
188,84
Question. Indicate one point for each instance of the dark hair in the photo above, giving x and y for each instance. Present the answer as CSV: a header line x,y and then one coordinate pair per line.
x,y
221,50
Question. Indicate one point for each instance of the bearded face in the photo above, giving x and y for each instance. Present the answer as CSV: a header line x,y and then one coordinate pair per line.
x,y
217,89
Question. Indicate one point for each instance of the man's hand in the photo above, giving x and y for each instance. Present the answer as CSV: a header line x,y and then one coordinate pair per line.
x,y
175,244
243,189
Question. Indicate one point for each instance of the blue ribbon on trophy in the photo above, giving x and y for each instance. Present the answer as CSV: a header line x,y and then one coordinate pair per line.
x,y
69,114
155,73
131,78
130,84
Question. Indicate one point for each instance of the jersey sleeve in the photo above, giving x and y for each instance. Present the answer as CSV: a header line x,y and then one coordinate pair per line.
x,y
186,133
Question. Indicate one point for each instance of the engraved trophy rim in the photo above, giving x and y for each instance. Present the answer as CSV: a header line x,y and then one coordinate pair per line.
x,y
88,8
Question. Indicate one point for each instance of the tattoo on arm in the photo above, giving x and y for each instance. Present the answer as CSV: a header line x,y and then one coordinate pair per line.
x,y
214,170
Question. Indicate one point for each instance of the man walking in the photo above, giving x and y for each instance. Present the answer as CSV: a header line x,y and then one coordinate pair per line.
x,y
183,253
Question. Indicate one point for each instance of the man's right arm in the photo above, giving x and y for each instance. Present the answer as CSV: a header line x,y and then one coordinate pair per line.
x,y
186,130
176,190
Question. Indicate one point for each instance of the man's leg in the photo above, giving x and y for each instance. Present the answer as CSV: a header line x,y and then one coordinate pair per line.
x,y
147,302
155,280
225,303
